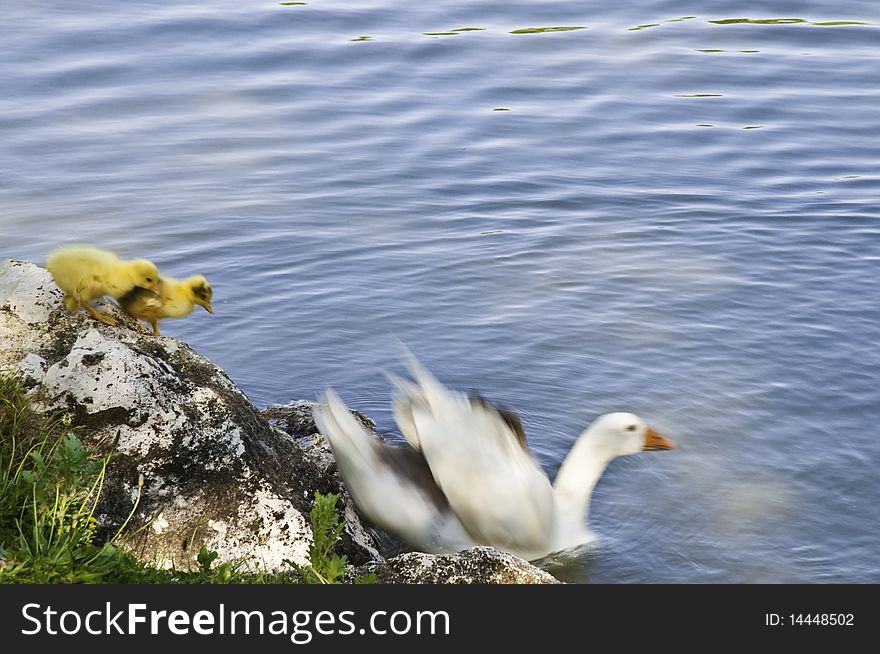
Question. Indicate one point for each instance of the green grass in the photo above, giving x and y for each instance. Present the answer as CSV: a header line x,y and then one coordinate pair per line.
x,y
50,485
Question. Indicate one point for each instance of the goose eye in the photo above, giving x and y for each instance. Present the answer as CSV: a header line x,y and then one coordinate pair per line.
x,y
631,428
149,279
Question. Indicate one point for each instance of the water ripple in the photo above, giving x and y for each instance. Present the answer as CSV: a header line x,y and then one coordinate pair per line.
x,y
573,212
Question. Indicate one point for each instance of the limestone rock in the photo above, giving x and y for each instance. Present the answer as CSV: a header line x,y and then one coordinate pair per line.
x,y
478,565
215,472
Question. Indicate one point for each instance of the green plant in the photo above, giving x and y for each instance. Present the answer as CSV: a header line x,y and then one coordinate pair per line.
x,y
325,565
49,490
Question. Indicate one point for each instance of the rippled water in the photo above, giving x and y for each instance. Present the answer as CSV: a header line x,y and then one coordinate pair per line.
x,y
669,208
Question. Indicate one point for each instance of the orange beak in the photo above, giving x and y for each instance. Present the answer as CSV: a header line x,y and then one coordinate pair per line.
x,y
205,304
155,288
654,442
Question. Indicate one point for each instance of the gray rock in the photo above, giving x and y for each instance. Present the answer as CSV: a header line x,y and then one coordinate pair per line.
x,y
296,419
478,565
215,473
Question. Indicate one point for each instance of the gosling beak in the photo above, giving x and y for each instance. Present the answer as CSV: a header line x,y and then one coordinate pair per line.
x,y
206,305
154,288
655,441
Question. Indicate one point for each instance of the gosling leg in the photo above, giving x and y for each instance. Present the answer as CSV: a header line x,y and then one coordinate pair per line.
x,y
155,324
105,318
87,290
70,302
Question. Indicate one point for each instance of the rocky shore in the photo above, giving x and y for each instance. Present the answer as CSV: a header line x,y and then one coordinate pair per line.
x,y
197,463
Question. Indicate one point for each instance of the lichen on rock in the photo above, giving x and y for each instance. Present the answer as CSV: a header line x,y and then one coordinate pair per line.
x,y
478,565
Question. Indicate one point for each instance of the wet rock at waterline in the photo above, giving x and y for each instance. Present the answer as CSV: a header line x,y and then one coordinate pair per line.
x,y
478,565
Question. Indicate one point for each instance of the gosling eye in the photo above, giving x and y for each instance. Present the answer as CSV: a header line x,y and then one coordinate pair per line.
x,y
631,428
150,279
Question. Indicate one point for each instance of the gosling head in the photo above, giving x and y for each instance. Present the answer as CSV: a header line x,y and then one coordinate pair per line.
x,y
145,275
625,433
202,292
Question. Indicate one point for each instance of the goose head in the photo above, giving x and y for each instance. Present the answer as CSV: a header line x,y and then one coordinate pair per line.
x,y
620,434
143,273
608,437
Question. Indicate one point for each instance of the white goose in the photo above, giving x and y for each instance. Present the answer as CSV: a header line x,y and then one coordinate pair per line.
x,y
467,477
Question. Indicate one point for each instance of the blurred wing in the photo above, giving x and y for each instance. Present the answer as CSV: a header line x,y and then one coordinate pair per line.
x,y
391,486
509,417
491,482
407,397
